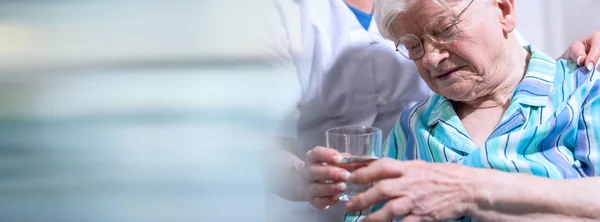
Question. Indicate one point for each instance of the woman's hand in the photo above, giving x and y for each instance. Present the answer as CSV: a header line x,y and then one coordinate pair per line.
x,y
586,52
415,190
324,180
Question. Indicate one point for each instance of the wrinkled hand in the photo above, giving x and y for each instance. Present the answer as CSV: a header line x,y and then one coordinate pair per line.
x,y
415,190
586,52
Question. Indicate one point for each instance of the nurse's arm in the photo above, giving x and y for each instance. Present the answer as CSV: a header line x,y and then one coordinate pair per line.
x,y
284,169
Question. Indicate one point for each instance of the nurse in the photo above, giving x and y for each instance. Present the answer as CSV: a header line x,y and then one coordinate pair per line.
x,y
349,75
355,76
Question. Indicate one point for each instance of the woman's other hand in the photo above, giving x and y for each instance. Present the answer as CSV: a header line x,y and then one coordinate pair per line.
x,y
415,190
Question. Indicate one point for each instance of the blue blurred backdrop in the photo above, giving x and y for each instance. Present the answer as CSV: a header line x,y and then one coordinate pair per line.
x,y
125,110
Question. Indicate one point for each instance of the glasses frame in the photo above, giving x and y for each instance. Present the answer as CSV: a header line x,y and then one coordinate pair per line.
x,y
454,22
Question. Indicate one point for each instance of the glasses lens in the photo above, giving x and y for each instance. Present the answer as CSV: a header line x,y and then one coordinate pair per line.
x,y
410,47
442,29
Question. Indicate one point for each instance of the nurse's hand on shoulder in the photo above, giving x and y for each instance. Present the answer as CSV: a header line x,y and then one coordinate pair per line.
x,y
324,178
586,52
415,190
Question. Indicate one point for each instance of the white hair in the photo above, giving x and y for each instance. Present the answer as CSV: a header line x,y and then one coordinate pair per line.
x,y
386,12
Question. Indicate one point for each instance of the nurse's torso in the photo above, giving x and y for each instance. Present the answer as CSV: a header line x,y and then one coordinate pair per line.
x,y
350,76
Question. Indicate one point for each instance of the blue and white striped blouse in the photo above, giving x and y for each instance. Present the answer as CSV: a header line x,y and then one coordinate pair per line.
x,y
551,128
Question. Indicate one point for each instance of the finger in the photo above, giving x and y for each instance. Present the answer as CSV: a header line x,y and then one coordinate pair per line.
x,y
324,202
412,218
350,166
594,58
326,189
318,173
383,190
593,53
322,155
577,52
378,170
392,209
353,165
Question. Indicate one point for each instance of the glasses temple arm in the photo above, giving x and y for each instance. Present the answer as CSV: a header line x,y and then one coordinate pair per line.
x,y
463,11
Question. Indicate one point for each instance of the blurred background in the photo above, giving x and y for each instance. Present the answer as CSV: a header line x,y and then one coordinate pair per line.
x,y
156,110
553,25
135,110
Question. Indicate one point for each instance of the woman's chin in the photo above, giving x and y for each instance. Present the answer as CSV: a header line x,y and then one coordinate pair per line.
x,y
454,94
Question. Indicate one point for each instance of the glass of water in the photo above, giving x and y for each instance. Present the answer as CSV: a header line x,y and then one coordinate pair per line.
x,y
358,145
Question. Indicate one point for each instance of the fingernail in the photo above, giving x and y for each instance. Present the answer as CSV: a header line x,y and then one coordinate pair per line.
x,y
590,66
345,175
579,60
337,159
326,207
341,186
349,204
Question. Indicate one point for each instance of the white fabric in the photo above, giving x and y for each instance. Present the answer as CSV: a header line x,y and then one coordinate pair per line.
x,y
328,28
348,76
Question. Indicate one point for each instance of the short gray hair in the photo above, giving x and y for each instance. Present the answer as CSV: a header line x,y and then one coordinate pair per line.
x,y
386,12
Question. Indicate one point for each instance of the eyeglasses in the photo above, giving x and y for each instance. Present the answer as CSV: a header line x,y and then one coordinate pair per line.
x,y
442,29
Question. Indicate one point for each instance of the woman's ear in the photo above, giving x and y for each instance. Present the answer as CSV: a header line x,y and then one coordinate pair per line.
x,y
508,19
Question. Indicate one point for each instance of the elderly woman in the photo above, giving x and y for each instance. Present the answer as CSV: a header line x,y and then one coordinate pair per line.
x,y
505,120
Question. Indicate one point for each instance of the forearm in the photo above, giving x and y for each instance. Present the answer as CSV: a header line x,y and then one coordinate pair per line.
x,y
520,197
285,168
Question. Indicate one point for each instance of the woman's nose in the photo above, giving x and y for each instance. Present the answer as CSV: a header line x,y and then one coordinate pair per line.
x,y
433,56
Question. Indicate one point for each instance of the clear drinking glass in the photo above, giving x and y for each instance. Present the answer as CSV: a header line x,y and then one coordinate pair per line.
x,y
358,145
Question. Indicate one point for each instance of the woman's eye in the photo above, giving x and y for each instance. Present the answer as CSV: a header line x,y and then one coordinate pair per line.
x,y
445,29
410,47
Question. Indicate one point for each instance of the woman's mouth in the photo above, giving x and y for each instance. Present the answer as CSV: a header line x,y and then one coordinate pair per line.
x,y
448,74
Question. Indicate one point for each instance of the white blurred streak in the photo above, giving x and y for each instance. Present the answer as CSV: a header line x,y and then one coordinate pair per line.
x,y
46,34
131,110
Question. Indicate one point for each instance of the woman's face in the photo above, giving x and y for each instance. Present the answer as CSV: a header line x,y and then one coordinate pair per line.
x,y
460,70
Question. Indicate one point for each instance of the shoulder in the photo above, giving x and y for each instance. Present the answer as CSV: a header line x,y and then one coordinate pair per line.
x,y
570,71
410,124
420,115
572,79
561,80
